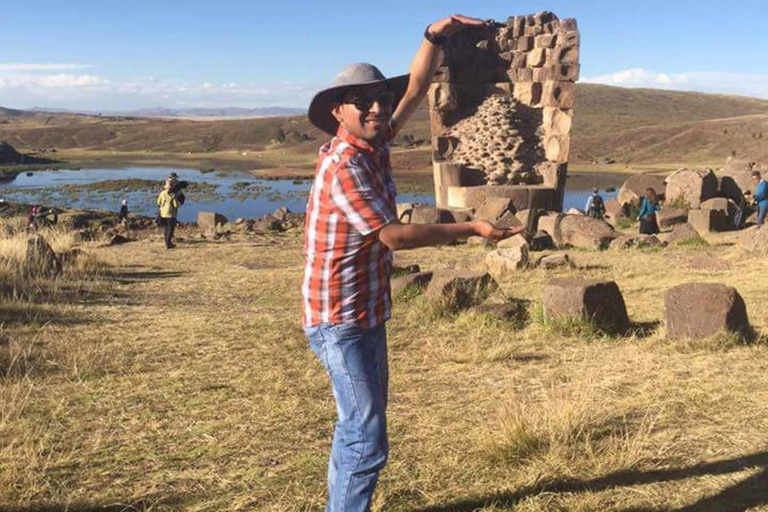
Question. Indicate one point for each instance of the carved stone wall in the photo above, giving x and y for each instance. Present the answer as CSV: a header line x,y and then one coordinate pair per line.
x,y
501,112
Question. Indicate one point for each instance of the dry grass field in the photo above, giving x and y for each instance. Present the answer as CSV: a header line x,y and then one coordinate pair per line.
x,y
154,380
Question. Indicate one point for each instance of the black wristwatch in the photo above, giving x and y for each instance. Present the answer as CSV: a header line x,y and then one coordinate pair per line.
x,y
435,39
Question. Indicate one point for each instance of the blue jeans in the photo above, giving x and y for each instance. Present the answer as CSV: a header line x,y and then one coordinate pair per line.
x,y
356,362
761,211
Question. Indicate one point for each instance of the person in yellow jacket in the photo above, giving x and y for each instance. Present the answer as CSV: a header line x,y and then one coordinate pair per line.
x,y
168,202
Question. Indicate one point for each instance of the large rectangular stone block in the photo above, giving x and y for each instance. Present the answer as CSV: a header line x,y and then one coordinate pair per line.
x,y
545,41
466,197
557,121
537,58
528,93
568,73
557,148
557,94
525,43
445,174
701,310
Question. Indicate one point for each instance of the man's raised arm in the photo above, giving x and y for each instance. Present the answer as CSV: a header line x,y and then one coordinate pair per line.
x,y
425,62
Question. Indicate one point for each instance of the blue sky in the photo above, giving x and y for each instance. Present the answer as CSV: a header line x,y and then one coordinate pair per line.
x,y
110,54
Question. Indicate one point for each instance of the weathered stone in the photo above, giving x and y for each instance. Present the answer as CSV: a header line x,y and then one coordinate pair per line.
x,y
503,263
740,173
480,241
454,289
634,189
681,234
280,214
456,215
613,210
599,302
528,93
543,74
703,221
40,259
550,223
414,280
512,242
519,59
557,121
557,148
553,261
669,216
545,41
701,310
443,96
525,43
569,72
208,221
568,25
584,231
574,211
118,240
726,211
537,58
690,186
445,174
541,241
424,214
625,242
557,94
514,311
493,208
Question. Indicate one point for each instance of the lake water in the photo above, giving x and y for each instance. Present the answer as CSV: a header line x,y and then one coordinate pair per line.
x,y
233,194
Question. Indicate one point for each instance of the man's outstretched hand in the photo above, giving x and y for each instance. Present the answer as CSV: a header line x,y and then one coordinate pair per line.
x,y
487,230
448,26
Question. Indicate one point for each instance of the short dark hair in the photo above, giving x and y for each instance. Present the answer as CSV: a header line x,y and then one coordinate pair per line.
x,y
755,173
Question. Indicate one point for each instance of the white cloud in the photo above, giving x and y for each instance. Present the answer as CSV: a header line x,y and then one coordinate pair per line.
x,y
702,81
41,67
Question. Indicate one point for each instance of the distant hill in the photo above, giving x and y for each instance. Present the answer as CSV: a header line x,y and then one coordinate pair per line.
x,y
627,125
183,112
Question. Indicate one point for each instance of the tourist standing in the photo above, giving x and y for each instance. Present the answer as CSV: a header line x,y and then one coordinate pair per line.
x,y
647,215
595,205
168,203
760,197
122,217
351,230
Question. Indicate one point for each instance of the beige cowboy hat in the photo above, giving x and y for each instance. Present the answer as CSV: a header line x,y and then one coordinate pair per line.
x,y
354,75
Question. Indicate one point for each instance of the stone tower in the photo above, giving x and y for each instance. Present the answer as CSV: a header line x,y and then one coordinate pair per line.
x,y
501,113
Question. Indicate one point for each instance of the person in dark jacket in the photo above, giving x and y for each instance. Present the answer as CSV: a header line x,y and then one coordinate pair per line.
x,y
647,216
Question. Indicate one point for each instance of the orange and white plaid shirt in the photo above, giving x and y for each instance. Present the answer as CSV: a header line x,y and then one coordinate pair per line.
x,y
347,268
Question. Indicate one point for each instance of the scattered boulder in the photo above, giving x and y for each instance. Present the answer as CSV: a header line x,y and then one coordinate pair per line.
x,y
700,310
584,231
691,186
41,260
503,263
736,177
209,221
549,223
670,216
682,233
424,214
541,241
414,280
599,302
705,221
725,212
634,189
118,240
626,242
493,208
508,220
614,210
280,214
512,242
514,311
454,289
553,261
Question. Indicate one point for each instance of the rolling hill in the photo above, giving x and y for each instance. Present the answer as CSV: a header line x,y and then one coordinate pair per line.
x,y
628,125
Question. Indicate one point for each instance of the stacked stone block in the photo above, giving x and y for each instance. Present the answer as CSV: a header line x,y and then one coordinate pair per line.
x,y
501,112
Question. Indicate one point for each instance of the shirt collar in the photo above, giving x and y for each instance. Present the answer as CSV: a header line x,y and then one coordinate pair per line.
x,y
344,135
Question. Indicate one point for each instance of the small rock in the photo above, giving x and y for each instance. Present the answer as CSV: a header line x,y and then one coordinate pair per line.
x,y
553,261
682,233
596,301
503,263
454,289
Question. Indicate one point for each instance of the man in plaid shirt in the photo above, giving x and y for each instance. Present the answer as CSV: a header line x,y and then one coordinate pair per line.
x,y
351,231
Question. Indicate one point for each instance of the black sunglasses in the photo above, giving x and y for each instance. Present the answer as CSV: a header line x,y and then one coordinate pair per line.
x,y
364,103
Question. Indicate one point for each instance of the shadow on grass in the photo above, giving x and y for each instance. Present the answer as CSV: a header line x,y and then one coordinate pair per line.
x,y
132,277
26,314
746,494
135,506
642,329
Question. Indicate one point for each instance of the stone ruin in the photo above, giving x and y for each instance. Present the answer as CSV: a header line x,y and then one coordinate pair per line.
x,y
501,113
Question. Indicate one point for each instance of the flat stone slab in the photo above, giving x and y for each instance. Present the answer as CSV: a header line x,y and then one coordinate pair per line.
x,y
701,310
599,302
